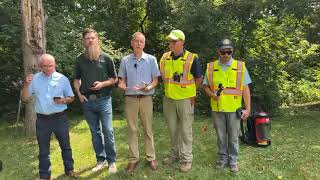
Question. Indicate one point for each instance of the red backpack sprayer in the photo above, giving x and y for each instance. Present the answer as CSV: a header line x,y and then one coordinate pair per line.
x,y
256,130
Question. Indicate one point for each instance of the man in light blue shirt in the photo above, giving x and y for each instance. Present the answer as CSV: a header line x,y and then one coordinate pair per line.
x,y
138,75
247,79
226,83
52,92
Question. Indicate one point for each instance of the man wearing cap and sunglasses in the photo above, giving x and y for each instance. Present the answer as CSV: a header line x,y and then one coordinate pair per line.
x,y
226,83
181,75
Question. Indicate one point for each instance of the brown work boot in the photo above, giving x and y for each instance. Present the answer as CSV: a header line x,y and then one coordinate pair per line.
x,y
169,160
186,166
153,165
131,167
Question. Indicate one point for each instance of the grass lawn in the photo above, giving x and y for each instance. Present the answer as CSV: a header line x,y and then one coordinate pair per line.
x,y
294,153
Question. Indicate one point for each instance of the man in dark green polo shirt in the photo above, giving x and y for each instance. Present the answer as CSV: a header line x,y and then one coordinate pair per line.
x,y
94,77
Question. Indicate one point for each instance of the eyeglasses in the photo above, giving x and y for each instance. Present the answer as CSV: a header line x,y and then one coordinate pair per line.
x,y
47,65
225,52
172,41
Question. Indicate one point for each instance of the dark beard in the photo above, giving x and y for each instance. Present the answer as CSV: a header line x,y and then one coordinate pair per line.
x,y
93,53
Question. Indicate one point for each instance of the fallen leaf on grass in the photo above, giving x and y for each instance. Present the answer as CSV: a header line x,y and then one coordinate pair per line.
x,y
279,177
204,128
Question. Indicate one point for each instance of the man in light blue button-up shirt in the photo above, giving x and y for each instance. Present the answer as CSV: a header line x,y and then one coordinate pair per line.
x,y
227,123
138,76
52,92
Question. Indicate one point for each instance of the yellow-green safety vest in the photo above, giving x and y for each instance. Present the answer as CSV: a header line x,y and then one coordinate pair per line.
x,y
186,88
232,80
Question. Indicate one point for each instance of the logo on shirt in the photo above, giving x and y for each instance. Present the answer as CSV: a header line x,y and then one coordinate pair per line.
x,y
101,60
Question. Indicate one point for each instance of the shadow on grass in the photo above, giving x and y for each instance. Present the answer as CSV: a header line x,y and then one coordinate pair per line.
x,y
79,125
83,171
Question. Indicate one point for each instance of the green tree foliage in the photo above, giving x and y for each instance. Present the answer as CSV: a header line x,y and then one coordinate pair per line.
x,y
279,54
65,40
270,36
278,40
11,70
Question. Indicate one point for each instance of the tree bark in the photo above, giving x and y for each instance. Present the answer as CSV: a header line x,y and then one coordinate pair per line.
x,y
33,44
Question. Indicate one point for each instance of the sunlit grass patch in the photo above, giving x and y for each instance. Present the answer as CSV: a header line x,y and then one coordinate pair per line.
x,y
293,154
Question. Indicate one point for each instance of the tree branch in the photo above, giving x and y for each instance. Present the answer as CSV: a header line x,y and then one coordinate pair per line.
x,y
142,22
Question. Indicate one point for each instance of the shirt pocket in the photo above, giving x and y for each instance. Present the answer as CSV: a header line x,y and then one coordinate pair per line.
x,y
56,89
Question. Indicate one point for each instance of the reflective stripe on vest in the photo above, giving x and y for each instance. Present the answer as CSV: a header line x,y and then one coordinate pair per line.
x,y
181,88
226,90
164,57
231,97
186,66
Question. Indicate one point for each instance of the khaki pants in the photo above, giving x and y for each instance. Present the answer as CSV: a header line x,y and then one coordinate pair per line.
x,y
144,107
179,117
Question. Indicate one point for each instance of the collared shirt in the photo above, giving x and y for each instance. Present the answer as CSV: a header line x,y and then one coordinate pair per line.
x,y
138,71
247,79
90,71
44,88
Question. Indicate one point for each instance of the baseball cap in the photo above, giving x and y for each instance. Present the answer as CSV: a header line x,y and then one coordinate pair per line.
x,y
225,44
176,35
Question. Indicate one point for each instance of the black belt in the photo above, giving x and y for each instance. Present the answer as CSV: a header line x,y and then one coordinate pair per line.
x,y
51,115
138,96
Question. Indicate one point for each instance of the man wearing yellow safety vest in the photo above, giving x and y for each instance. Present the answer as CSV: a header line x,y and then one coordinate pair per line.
x,y
181,75
226,83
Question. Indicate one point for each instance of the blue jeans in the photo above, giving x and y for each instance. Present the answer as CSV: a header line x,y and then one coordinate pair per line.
x,y
45,126
98,114
227,126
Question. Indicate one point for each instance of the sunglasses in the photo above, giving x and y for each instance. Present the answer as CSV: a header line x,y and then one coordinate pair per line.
x,y
225,52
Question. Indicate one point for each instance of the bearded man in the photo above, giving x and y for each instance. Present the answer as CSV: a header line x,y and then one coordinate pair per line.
x,y
94,78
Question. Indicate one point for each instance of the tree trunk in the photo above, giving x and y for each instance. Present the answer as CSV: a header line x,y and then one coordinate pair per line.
x,y
34,44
